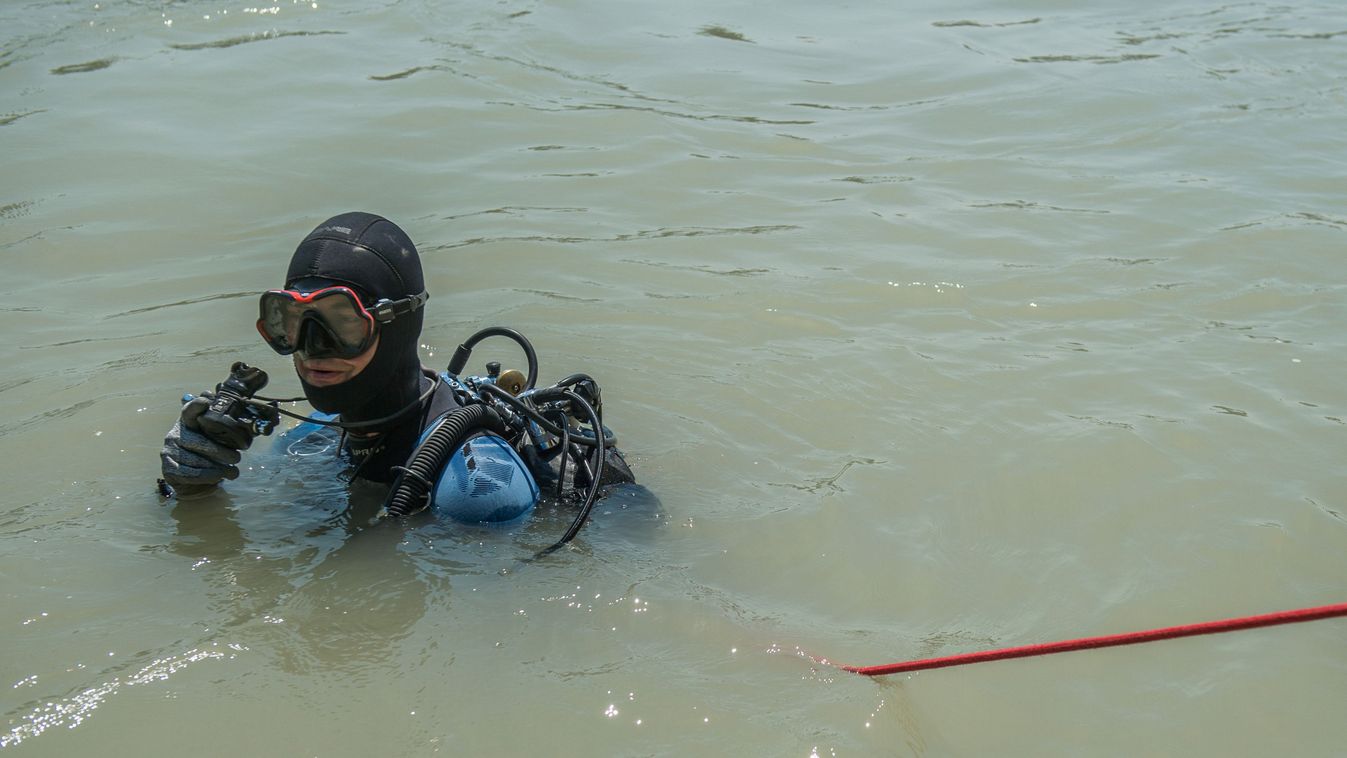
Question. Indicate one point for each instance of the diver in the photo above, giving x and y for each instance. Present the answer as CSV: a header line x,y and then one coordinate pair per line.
x,y
350,316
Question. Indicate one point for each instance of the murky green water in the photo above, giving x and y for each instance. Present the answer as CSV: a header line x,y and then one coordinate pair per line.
x,y
935,328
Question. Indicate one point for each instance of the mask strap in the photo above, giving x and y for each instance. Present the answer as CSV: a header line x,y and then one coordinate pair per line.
x,y
386,310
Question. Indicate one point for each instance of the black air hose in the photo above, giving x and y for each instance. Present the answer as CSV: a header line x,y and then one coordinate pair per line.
x,y
464,351
411,490
596,476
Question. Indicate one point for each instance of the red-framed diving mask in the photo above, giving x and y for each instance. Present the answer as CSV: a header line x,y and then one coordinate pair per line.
x,y
330,321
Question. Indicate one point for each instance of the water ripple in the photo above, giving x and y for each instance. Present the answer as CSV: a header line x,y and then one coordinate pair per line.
x,y
516,210
1026,205
557,71
644,234
246,39
406,73
10,118
14,210
67,343
677,114
984,25
723,33
1087,58
190,301
45,416
82,68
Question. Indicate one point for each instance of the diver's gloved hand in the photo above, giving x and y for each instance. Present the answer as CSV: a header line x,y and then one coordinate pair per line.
x,y
192,458
232,422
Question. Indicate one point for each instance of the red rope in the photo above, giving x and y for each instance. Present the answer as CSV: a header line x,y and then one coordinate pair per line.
x,y
1130,638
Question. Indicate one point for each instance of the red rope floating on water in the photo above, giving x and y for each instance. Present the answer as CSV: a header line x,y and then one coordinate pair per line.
x,y
1129,638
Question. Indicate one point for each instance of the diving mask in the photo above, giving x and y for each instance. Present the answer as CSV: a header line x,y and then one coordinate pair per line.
x,y
331,317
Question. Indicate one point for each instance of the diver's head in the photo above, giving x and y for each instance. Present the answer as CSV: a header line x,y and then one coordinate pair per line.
x,y
351,313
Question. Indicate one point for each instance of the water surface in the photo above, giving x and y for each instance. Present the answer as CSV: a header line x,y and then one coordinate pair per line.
x,y
935,328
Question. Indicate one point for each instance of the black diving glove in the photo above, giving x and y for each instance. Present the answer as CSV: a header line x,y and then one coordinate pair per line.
x,y
200,452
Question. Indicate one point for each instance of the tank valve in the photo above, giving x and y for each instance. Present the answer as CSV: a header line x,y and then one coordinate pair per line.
x,y
511,380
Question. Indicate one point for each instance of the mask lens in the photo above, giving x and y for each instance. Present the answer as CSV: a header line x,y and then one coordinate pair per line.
x,y
284,312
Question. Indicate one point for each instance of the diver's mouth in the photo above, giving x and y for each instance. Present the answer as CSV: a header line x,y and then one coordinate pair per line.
x,y
321,377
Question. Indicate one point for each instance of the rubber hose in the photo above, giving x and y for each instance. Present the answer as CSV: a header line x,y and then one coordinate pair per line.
x,y
550,393
411,491
461,355
595,484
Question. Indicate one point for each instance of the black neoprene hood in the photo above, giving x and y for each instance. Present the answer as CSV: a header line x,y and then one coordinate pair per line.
x,y
376,258
363,250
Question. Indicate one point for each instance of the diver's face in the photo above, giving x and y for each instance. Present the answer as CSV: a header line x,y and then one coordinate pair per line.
x,y
325,372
